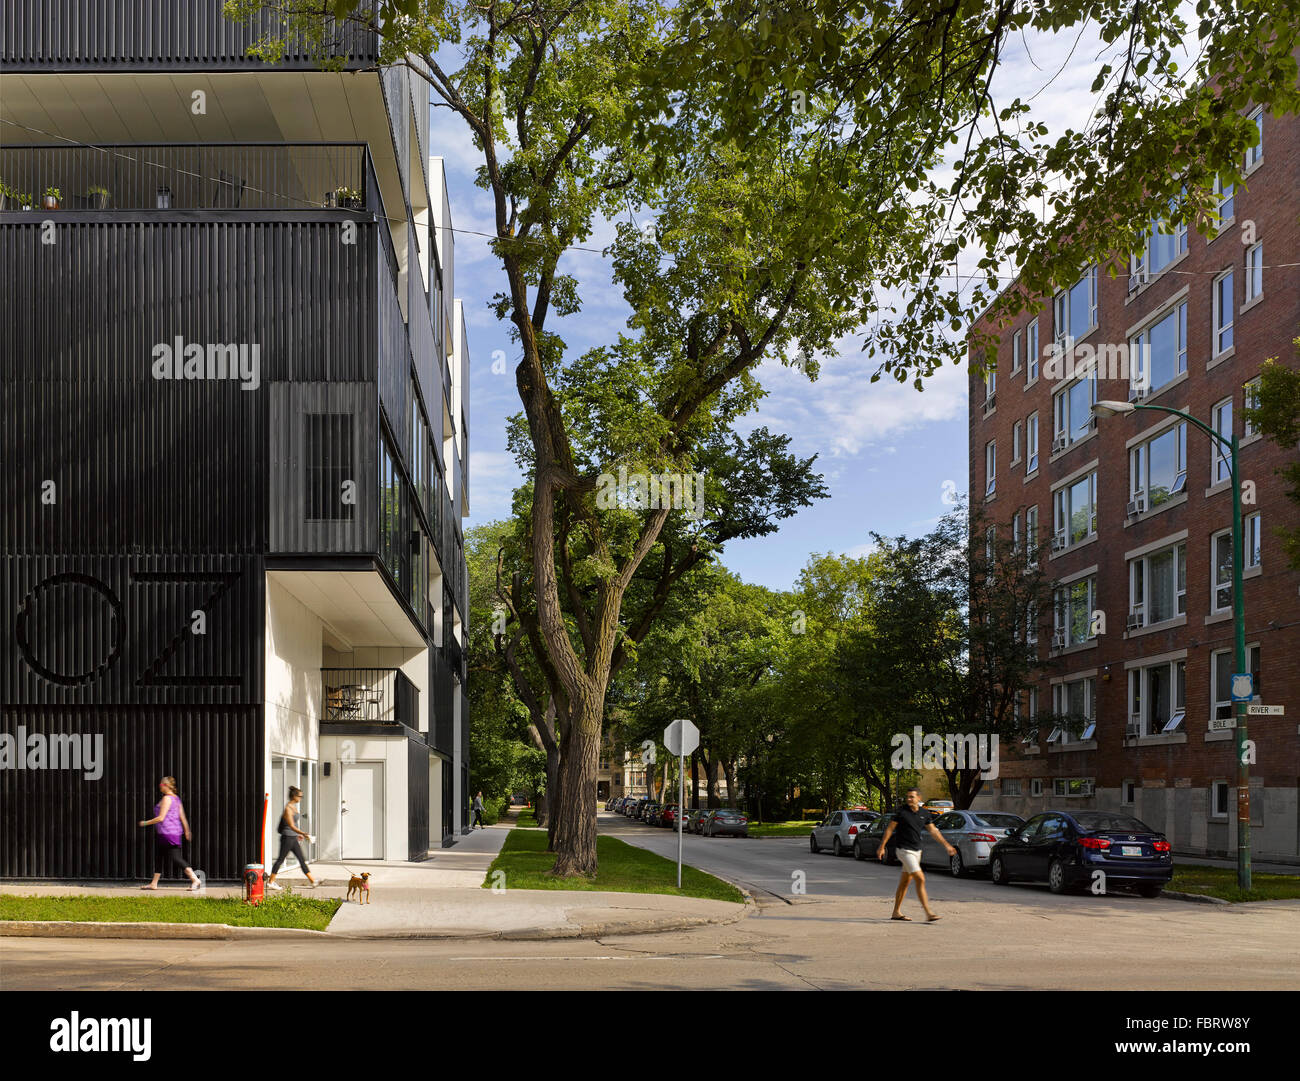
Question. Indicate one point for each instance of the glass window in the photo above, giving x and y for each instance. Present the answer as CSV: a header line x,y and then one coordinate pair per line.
x,y
1076,307
1161,245
1031,535
1015,441
1017,345
1222,460
1158,585
1032,351
1256,153
1031,443
327,453
1073,412
990,467
1076,510
1158,467
1221,562
990,384
1224,195
1251,540
1223,313
1074,605
1159,353
1251,401
1254,271
1221,683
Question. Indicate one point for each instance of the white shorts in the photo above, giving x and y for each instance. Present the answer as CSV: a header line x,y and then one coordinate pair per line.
x,y
910,858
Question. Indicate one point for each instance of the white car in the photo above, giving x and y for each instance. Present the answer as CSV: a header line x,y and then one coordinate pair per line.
x,y
839,829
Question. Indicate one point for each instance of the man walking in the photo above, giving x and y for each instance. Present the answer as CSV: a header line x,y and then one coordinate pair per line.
x,y
478,812
911,822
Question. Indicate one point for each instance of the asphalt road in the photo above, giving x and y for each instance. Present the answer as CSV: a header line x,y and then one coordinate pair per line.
x,y
836,935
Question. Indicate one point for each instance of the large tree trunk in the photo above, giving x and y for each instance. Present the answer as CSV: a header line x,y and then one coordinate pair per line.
x,y
574,840
729,771
695,780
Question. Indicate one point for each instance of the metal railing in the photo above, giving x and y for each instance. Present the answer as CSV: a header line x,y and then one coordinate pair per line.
x,y
369,695
201,176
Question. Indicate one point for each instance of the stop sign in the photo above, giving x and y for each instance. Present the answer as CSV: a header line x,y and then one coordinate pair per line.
x,y
681,738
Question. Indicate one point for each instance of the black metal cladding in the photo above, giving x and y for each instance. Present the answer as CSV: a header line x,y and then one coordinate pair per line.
x,y
86,830
441,688
417,799
149,35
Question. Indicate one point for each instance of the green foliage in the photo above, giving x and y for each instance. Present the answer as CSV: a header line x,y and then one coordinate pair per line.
x,y
1278,417
918,75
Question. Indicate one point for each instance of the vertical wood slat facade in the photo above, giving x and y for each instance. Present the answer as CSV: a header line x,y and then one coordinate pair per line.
x,y
84,35
52,826
159,511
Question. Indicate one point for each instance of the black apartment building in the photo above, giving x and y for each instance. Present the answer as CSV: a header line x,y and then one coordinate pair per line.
x,y
234,392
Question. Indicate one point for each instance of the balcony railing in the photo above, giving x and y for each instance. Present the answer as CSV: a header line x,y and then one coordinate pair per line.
x,y
206,176
369,696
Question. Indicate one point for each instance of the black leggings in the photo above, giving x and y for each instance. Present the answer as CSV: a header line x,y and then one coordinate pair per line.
x,y
164,853
287,845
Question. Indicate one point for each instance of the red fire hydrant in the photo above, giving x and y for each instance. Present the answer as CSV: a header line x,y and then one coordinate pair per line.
x,y
254,883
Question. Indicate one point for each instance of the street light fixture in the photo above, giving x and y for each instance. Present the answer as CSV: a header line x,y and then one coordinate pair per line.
x,y
1110,409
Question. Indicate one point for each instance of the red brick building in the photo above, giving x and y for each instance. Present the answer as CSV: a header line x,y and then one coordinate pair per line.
x,y
1132,516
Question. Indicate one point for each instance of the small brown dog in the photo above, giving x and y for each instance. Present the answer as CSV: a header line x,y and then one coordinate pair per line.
x,y
360,884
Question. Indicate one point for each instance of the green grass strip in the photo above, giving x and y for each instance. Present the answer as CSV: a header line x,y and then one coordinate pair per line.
x,y
284,910
784,829
623,868
1221,882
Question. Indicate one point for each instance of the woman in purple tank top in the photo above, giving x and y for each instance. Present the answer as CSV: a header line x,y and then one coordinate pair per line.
x,y
173,827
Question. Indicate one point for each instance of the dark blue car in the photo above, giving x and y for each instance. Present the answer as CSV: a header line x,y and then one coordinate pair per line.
x,y
1066,849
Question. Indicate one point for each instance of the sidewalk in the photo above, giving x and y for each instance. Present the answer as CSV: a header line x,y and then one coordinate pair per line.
x,y
439,898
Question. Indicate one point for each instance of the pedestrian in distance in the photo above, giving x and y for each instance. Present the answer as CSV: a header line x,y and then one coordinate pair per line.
x,y
290,835
173,828
478,811
911,822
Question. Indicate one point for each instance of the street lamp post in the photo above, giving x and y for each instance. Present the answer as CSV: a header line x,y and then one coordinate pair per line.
x,y
1108,409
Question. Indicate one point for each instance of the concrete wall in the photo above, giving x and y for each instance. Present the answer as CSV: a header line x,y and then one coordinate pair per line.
x,y
293,683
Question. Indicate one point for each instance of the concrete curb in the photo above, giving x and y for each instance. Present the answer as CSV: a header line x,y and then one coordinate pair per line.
x,y
147,930
1196,898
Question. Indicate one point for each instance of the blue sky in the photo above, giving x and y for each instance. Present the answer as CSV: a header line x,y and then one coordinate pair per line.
x,y
885,449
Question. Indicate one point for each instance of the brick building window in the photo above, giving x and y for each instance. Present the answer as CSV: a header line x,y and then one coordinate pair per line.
x,y
1158,352
1074,605
1254,272
1157,698
1076,308
1224,307
1221,462
1158,469
1158,586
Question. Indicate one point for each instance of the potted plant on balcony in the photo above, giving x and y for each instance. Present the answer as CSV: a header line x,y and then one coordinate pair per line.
x,y
98,197
26,201
8,196
348,199
50,200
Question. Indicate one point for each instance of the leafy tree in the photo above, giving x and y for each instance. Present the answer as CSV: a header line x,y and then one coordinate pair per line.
x,y
1277,415
949,648
1159,133
742,266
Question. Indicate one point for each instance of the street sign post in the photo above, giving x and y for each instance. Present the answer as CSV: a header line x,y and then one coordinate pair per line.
x,y
1222,724
681,738
1257,710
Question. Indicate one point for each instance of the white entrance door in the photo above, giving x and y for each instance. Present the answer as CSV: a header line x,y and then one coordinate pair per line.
x,y
362,811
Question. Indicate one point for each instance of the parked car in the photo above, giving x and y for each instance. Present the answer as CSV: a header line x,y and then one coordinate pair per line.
x,y
867,841
1065,849
724,820
669,817
838,830
696,817
972,834
650,815
938,807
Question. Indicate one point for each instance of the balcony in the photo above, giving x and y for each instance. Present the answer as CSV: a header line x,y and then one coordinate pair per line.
x,y
153,35
241,177
381,696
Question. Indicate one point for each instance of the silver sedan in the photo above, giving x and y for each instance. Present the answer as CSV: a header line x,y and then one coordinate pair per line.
x,y
973,834
839,829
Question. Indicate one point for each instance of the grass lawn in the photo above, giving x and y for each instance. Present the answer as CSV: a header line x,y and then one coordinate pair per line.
x,y
286,910
527,819
1221,882
624,868
784,829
